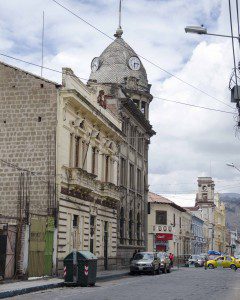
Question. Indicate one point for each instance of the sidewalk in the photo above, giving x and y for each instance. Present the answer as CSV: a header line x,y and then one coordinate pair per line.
x,y
29,286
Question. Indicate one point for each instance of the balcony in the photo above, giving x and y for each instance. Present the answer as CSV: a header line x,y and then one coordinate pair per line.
x,y
82,179
87,183
110,191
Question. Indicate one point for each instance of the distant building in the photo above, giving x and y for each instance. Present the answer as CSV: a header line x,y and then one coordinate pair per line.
x,y
209,208
197,229
169,226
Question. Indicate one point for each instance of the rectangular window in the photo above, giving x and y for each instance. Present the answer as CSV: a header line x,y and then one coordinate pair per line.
x,y
174,220
107,169
140,143
180,222
123,171
94,152
139,180
75,221
133,136
77,140
161,217
143,107
125,126
131,176
149,208
71,150
84,155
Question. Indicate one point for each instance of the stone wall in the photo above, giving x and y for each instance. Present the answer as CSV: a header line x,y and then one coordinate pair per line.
x,y
28,114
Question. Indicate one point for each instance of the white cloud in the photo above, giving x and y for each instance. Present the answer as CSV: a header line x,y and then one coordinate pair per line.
x,y
188,139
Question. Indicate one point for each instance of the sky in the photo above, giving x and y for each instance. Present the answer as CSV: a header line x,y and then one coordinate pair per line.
x,y
190,142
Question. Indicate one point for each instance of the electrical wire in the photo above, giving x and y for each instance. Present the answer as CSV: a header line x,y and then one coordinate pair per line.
x,y
194,105
36,65
81,78
144,58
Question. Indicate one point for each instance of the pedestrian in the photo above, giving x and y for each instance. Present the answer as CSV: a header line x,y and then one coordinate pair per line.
x,y
171,257
135,252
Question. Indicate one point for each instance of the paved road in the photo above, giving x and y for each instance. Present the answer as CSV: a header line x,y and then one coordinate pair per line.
x,y
183,284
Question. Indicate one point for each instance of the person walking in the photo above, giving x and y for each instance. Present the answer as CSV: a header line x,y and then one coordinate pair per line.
x,y
171,257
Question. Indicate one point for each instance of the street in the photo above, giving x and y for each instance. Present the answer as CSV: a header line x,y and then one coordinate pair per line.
x,y
182,284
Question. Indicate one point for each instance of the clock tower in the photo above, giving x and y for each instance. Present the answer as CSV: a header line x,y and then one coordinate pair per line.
x,y
119,79
205,195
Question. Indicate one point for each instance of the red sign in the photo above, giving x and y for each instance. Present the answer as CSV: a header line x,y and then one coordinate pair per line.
x,y
164,236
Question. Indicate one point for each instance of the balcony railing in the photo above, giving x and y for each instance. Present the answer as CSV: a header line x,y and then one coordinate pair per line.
x,y
87,182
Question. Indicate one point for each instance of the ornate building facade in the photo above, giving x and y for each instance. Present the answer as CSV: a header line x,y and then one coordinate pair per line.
x,y
88,138
121,77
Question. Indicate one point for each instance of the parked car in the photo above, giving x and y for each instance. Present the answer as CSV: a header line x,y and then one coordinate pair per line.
x,y
165,263
196,261
224,261
145,262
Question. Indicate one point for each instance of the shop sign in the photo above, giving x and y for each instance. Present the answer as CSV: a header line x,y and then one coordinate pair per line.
x,y
164,236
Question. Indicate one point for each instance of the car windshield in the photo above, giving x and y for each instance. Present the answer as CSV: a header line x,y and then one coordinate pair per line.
x,y
195,257
146,256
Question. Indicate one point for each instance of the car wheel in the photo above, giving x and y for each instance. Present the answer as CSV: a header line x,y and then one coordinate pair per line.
x,y
233,267
132,273
211,266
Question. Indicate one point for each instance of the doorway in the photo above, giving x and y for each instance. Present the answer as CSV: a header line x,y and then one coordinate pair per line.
x,y
105,245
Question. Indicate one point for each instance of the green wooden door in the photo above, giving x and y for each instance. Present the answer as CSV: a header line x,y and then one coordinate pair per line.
x,y
48,253
37,246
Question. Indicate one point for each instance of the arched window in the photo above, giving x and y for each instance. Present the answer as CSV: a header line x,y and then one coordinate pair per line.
x,y
122,226
138,229
130,222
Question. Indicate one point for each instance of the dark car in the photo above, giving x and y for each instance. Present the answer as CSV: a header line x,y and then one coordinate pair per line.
x,y
165,263
145,262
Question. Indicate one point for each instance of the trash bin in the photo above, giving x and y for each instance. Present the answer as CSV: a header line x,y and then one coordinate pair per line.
x,y
80,268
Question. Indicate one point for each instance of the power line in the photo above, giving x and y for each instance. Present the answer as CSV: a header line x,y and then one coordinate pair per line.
x,y
144,58
36,65
81,78
194,105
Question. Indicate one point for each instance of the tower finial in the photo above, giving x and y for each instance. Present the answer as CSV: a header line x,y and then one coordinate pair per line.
x,y
119,31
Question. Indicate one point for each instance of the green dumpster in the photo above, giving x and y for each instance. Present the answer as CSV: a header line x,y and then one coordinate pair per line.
x,y
80,268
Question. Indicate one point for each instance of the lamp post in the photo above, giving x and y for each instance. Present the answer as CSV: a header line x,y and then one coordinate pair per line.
x,y
233,166
203,30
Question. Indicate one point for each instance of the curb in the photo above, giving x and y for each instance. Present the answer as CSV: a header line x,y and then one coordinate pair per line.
x,y
18,292
32,289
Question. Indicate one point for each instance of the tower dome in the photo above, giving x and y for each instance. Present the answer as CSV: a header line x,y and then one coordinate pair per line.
x,y
118,62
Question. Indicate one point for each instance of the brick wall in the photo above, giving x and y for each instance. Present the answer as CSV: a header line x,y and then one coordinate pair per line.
x,y
28,113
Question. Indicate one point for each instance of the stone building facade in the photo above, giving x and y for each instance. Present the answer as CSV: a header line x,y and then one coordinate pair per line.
x,y
88,139
121,76
28,106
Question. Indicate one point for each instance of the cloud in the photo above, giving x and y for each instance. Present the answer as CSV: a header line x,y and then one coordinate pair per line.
x,y
189,141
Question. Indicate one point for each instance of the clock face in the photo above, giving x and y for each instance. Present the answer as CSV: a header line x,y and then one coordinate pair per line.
x,y
134,63
95,64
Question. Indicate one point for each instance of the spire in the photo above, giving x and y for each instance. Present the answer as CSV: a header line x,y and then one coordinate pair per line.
x,y
119,31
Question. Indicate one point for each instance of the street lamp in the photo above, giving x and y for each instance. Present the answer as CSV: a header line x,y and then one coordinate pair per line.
x,y
203,30
233,166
